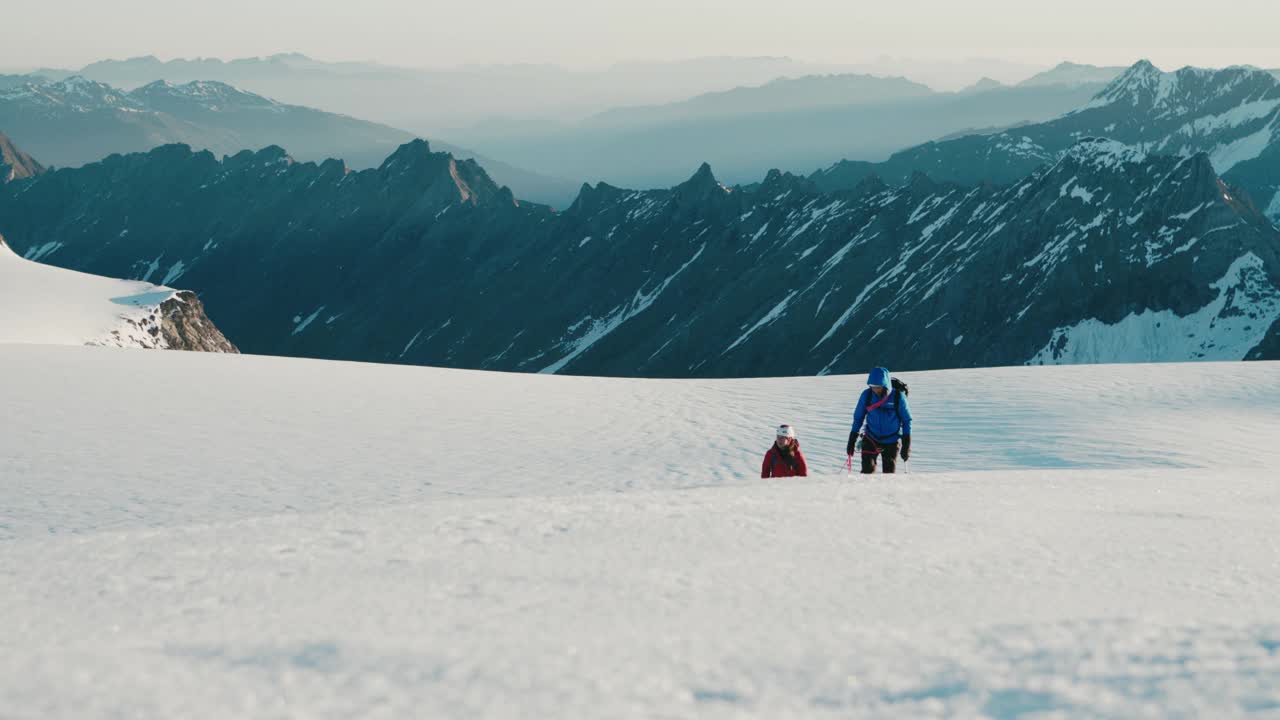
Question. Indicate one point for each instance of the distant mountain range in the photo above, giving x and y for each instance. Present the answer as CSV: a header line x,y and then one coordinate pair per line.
x,y
1233,115
797,124
803,93
435,101
744,115
1104,254
75,121
1069,73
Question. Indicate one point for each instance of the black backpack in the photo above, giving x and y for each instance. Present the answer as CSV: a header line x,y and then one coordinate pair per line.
x,y
900,387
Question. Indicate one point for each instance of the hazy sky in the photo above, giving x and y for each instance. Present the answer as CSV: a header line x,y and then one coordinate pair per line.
x,y
593,33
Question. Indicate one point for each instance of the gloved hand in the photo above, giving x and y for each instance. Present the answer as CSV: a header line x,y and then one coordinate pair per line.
x,y
906,448
852,447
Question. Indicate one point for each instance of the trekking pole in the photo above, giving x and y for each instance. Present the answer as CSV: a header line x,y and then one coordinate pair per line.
x,y
849,467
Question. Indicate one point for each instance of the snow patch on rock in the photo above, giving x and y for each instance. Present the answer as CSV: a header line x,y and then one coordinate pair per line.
x,y
1225,329
601,328
1249,147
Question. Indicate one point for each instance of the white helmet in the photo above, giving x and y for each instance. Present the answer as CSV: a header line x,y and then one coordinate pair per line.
x,y
786,431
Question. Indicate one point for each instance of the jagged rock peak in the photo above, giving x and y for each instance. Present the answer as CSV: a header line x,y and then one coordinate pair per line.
x,y
1146,86
412,152
1137,83
702,183
168,151
592,199
1141,72
442,176
15,164
774,178
270,155
777,181
334,165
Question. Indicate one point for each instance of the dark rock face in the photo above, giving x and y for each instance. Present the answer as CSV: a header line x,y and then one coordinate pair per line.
x,y
1233,115
426,261
15,164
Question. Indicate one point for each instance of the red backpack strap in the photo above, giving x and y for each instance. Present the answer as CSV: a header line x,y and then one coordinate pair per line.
x,y
882,401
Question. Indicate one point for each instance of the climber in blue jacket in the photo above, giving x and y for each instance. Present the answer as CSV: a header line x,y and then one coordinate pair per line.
x,y
888,423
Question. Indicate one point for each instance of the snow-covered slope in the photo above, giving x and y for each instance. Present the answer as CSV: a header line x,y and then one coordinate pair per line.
x,y
43,304
243,536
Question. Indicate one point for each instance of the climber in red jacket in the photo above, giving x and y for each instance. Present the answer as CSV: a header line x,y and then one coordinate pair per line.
x,y
784,459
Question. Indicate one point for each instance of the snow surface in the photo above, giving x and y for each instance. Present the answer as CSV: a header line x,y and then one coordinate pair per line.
x,y
210,536
46,305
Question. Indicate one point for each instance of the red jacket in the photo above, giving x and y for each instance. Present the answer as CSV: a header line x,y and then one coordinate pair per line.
x,y
775,465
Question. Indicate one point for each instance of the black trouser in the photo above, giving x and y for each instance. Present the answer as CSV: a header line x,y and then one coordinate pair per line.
x,y
872,450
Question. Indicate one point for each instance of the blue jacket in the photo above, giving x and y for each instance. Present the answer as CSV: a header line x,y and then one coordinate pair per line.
x,y
889,422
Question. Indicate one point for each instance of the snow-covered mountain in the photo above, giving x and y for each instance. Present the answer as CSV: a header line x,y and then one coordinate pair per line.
x,y
14,163
47,305
76,121
1233,115
203,536
426,260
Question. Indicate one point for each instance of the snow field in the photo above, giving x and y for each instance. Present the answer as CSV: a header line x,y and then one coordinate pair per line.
x,y
214,536
54,306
